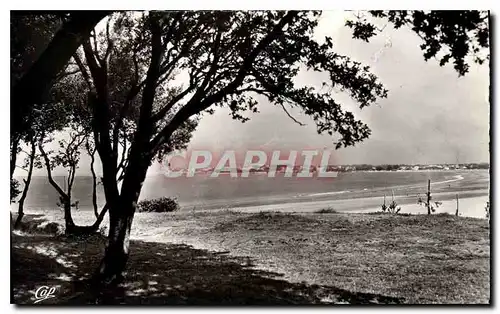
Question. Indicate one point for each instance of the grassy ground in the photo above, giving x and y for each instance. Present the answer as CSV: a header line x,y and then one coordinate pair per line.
x,y
270,258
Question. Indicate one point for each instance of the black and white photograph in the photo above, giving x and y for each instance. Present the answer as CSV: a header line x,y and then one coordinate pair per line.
x,y
251,157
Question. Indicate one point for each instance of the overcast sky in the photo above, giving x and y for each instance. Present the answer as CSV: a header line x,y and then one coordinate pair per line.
x,y
430,115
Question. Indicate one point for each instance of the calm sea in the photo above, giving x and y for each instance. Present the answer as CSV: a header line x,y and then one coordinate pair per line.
x,y
204,192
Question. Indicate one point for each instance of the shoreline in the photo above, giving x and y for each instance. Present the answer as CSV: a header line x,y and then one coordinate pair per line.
x,y
354,193
356,205
466,185
471,204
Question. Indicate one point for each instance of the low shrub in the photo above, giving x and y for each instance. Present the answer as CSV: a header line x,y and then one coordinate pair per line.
x,y
328,210
158,205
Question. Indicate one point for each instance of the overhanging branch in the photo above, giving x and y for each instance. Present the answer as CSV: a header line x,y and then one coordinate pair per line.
x,y
196,105
290,116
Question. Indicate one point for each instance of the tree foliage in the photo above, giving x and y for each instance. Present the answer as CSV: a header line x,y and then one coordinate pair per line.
x,y
455,36
232,57
32,84
14,189
30,33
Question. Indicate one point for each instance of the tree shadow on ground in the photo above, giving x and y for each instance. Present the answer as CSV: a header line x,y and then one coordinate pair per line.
x,y
158,273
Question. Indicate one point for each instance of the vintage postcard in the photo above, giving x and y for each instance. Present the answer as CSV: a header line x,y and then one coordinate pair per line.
x,y
250,157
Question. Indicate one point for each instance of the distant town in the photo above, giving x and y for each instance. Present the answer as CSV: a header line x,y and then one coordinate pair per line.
x,y
405,167
359,167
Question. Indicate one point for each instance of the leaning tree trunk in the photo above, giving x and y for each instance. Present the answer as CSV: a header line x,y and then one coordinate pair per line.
x,y
100,218
35,84
27,181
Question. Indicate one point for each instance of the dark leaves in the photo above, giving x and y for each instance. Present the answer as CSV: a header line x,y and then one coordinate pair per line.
x,y
456,34
361,29
444,59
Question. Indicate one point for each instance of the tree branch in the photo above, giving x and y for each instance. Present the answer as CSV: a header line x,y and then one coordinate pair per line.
x,y
162,112
195,105
82,68
148,94
93,35
109,48
66,74
91,151
49,172
290,116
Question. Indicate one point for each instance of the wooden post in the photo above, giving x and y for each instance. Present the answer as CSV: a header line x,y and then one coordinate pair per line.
x,y
456,213
429,197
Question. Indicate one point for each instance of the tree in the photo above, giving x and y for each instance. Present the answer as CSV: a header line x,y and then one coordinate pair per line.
x,y
44,121
90,148
14,189
33,87
34,70
30,34
431,208
29,163
68,157
69,114
229,57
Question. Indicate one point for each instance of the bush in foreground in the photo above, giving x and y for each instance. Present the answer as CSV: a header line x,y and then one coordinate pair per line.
x,y
158,205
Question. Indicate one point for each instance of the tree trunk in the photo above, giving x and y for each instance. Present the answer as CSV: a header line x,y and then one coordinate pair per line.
x,y
122,206
68,219
88,230
121,215
116,254
94,183
100,218
27,181
13,154
65,197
